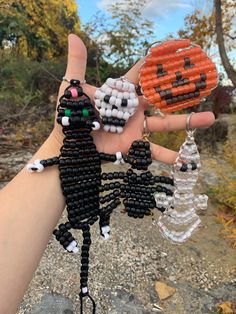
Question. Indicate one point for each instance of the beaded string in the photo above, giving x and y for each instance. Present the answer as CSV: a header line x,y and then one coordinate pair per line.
x,y
177,75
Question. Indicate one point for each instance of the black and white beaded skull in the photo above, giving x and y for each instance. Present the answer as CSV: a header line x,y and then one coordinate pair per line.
x,y
116,102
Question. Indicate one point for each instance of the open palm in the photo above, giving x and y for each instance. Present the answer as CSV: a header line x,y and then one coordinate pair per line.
x,y
110,142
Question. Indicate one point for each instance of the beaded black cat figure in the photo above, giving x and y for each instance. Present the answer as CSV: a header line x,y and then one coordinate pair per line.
x,y
80,173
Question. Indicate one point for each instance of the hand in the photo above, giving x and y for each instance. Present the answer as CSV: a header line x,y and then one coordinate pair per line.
x,y
110,142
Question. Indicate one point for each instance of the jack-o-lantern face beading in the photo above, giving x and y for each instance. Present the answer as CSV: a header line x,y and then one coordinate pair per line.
x,y
177,75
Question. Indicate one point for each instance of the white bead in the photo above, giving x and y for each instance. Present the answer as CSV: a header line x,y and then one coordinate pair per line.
x,y
105,229
102,112
38,164
126,86
108,113
118,155
114,92
112,100
135,102
108,228
119,129
131,111
71,246
106,236
113,129
119,84
126,116
29,167
75,250
108,91
120,95
98,94
111,82
114,112
120,115
106,128
73,243
98,103
132,95
96,125
126,95
104,87
130,103
84,289
118,102
104,105
65,121
131,88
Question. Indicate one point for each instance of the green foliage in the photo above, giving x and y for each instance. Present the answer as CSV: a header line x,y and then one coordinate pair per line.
x,y
225,192
227,197
123,35
170,140
38,29
25,89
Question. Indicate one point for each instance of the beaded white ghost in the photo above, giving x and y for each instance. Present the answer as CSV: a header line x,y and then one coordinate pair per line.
x,y
180,220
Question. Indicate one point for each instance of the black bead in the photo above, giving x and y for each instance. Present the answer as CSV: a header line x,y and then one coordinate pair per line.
x,y
184,168
67,94
124,103
74,82
106,99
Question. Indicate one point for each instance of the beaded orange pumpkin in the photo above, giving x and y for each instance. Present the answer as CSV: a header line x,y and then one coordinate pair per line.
x,y
177,74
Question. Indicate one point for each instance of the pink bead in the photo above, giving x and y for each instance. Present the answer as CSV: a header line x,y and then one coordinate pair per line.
x,y
74,92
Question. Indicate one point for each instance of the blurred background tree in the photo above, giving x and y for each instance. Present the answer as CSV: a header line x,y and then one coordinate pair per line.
x,y
211,24
38,29
121,36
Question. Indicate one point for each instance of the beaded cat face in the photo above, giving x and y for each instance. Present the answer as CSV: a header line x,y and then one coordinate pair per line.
x,y
76,114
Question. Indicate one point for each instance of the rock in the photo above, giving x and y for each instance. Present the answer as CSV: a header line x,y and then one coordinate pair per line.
x,y
203,301
226,308
53,304
163,290
124,302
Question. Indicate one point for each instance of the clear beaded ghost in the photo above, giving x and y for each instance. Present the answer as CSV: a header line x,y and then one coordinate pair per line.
x,y
180,219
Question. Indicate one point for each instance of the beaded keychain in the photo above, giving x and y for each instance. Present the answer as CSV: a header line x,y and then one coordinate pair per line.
x,y
116,102
176,75
80,174
180,218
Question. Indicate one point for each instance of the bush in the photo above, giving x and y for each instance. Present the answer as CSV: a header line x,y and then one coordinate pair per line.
x,y
25,89
225,192
171,140
28,97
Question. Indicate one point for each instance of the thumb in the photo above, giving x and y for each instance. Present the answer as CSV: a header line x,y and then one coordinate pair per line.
x,y
76,61
77,58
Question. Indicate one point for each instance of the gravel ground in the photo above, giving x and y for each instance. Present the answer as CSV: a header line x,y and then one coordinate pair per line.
x,y
124,269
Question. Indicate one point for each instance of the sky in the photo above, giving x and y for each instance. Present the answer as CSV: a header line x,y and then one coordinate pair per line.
x,y
168,15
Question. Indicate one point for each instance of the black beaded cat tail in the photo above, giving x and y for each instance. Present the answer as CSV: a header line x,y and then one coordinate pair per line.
x,y
80,174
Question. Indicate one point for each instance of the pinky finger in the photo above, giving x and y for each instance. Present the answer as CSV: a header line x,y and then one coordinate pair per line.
x,y
163,154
